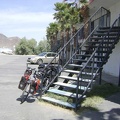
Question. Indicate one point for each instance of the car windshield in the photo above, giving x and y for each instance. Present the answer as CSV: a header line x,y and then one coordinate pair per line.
x,y
42,54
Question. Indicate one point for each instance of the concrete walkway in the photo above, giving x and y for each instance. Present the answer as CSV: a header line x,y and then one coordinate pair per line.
x,y
109,109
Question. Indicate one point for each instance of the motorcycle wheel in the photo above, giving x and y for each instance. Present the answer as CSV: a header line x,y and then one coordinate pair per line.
x,y
25,94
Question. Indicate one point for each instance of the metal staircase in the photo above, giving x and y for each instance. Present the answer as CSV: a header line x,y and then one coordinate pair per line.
x,y
86,59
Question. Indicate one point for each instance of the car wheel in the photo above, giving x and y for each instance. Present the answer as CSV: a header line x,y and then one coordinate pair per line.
x,y
39,61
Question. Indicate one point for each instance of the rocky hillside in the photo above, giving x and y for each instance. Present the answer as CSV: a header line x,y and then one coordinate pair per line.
x,y
8,42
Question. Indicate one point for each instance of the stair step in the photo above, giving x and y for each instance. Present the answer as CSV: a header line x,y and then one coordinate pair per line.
x,y
94,46
88,55
81,60
105,31
64,93
77,72
66,77
71,71
80,66
113,28
104,42
104,34
70,85
101,38
100,51
74,79
104,28
67,104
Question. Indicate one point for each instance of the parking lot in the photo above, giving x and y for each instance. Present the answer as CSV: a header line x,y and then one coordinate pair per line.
x,y
11,69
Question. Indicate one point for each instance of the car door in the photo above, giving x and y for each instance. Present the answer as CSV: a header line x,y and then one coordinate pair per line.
x,y
48,58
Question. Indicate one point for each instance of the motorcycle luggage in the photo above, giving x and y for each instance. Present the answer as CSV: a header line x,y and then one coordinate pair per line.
x,y
22,83
34,86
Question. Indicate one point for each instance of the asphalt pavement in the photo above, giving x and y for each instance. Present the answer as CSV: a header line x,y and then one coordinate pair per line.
x,y
11,69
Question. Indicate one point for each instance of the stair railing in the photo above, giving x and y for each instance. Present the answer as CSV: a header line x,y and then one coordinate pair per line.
x,y
92,58
79,37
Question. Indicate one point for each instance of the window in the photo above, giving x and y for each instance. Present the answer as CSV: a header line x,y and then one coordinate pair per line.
x,y
49,55
53,55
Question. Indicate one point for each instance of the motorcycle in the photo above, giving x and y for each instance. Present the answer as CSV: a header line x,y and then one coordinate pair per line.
x,y
35,81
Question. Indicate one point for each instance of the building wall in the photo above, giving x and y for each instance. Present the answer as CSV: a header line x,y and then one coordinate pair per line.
x,y
113,65
115,11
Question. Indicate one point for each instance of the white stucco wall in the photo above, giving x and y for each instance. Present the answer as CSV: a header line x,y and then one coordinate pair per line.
x,y
113,65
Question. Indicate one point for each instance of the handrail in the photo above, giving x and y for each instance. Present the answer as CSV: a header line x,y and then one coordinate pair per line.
x,y
76,34
72,56
72,39
100,43
98,10
93,54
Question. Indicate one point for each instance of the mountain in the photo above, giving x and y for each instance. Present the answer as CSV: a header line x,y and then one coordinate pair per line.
x,y
8,42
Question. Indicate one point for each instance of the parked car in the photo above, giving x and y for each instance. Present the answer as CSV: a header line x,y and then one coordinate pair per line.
x,y
6,51
44,57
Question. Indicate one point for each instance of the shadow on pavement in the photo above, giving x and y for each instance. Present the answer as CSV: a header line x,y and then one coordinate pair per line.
x,y
108,110
28,100
114,98
113,114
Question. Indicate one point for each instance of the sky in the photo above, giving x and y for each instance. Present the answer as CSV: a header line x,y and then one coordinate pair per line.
x,y
26,18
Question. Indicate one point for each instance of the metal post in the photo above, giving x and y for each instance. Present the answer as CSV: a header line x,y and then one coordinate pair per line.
x,y
119,77
100,79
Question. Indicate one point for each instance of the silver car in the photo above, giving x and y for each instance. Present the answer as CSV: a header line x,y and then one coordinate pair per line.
x,y
44,57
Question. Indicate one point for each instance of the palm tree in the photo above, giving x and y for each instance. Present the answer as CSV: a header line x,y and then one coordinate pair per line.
x,y
84,12
52,31
67,15
59,16
82,7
